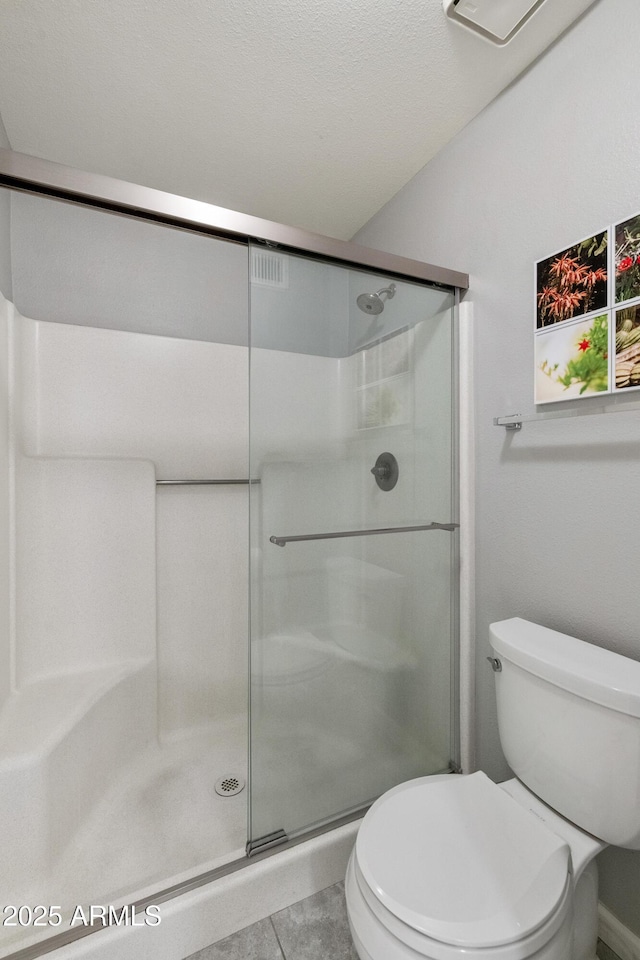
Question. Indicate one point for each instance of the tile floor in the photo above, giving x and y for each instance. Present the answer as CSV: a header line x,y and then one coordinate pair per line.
x,y
605,952
313,929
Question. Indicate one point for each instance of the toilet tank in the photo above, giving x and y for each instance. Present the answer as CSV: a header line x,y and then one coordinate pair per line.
x,y
569,722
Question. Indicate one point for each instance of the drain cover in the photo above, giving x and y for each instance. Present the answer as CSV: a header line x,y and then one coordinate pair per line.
x,y
229,786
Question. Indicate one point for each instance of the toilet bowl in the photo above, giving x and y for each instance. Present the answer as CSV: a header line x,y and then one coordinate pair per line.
x,y
456,867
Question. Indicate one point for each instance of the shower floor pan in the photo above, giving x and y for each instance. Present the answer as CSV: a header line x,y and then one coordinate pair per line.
x,y
149,824
157,823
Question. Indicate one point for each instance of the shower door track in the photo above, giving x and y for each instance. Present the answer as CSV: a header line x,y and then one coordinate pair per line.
x,y
169,893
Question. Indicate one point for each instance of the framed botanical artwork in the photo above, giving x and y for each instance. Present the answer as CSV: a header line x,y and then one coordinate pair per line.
x,y
573,335
572,360
572,282
627,259
587,316
627,348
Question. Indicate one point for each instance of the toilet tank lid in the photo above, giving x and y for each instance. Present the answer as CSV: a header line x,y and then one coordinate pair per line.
x,y
591,672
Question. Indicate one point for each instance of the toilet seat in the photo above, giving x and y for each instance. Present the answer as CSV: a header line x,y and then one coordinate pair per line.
x,y
378,935
456,860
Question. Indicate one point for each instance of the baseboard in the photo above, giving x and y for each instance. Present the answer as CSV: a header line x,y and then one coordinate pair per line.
x,y
616,936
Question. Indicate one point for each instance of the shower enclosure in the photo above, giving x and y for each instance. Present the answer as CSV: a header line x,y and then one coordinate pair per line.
x,y
351,635
204,414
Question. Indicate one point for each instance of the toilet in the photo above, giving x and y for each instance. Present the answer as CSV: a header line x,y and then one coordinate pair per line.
x,y
456,867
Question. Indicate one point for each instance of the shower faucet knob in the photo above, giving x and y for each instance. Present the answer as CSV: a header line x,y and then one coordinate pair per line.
x,y
385,470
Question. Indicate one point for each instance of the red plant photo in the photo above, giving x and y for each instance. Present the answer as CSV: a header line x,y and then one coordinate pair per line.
x,y
627,259
573,282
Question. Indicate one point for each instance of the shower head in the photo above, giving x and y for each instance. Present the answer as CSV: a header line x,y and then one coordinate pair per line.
x,y
373,303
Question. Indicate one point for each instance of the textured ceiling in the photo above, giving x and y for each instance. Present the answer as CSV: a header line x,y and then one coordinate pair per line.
x,y
308,112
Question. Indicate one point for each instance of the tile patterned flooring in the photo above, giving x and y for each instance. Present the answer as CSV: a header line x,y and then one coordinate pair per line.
x,y
605,952
313,929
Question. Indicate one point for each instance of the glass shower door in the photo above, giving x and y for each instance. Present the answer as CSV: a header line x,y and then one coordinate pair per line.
x,y
352,633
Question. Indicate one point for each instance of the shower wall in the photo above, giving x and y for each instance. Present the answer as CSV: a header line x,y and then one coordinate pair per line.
x,y
124,655
424,449
101,414
147,407
103,409
117,643
124,671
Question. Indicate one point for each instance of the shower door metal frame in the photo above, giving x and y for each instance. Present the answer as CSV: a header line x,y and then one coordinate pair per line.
x,y
27,174
20,171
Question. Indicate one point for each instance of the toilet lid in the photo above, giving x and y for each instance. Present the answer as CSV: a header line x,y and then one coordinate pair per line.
x,y
459,860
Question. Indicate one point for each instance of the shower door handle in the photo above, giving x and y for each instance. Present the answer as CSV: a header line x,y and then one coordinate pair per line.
x,y
283,541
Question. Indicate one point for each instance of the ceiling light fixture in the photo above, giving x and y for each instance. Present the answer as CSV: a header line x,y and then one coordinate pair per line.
x,y
495,20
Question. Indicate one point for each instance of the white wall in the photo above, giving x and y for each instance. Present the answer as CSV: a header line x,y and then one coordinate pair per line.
x,y
89,392
5,221
5,244
202,566
100,414
6,309
76,265
551,161
5,292
422,447
72,264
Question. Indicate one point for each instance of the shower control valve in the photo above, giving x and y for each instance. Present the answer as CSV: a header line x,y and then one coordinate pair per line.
x,y
385,470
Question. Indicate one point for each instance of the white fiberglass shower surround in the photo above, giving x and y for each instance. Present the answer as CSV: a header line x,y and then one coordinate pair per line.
x,y
228,517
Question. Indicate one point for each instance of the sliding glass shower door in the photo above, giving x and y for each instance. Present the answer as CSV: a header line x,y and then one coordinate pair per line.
x,y
352,538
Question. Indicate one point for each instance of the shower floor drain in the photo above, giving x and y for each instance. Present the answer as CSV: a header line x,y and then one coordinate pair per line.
x,y
229,786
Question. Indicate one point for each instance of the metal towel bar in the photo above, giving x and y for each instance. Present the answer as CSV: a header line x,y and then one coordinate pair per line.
x,y
181,483
283,541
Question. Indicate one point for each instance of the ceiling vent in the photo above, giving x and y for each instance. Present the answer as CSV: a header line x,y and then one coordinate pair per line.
x,y
495,20
269,269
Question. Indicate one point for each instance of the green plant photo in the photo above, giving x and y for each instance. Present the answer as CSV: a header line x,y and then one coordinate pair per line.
x,y
573,360
590,366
